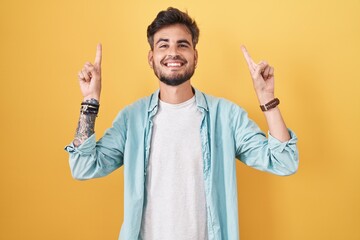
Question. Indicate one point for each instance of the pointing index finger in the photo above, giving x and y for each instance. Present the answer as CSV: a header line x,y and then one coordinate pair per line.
x,y
248,58
98,55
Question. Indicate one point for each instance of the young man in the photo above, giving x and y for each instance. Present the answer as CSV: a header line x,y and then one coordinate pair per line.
x,y
178,146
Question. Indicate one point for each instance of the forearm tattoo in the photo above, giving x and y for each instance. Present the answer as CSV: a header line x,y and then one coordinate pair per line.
x,y
86,125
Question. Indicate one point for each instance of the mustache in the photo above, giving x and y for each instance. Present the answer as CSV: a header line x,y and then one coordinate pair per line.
x,y
175,57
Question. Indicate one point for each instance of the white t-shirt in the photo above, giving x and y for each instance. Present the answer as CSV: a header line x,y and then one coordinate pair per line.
x,y
175,205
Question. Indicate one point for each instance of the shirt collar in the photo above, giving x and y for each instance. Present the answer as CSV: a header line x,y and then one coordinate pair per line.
x,y
199,97
200,100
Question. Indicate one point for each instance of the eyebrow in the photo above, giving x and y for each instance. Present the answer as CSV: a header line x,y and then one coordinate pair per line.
x,y
179,41
184,41
162,40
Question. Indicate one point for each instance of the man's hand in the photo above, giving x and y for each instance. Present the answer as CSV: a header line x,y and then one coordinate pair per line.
x,y
90,77
263,78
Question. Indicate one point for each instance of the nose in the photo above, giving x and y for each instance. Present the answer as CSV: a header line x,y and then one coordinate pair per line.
x,y
173,50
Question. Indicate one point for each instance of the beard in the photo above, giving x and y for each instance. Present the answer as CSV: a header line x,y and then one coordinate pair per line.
x,y
174,79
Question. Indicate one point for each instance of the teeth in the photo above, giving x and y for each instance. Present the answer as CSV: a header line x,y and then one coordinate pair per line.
x,y
174,64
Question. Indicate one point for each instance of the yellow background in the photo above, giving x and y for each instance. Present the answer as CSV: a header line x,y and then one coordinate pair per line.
x,y
313,45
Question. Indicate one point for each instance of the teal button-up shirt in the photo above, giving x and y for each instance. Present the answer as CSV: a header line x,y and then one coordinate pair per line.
x,y
226,133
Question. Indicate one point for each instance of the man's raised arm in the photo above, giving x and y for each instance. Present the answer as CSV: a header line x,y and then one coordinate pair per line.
x,y
90,86
263,80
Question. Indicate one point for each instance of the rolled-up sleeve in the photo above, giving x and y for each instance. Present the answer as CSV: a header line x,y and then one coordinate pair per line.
x,y
266,154
97,159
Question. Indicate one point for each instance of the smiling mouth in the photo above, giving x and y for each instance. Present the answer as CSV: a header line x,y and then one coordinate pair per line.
x,y
174,64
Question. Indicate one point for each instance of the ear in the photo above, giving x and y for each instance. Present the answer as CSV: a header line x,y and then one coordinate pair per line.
x,y
150,58
196,57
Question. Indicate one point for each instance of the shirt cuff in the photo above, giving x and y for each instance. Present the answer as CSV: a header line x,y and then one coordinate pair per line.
x,y
87,147
275,144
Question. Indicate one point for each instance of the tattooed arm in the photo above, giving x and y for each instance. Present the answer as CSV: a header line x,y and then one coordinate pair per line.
x,y
86,125
90,158
90,86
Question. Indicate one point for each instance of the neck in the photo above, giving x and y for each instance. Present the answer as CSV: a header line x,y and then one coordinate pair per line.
x,y
176,94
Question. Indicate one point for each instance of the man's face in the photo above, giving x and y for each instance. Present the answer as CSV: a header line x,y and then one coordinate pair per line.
x,y
173,57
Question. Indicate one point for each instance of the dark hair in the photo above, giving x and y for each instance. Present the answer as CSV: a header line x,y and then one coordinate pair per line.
x,y
169,17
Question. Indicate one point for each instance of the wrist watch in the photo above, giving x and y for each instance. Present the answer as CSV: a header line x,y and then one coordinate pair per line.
x,y
272,104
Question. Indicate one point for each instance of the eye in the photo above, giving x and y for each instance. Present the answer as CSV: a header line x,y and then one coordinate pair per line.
x,y
183,45
163,46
